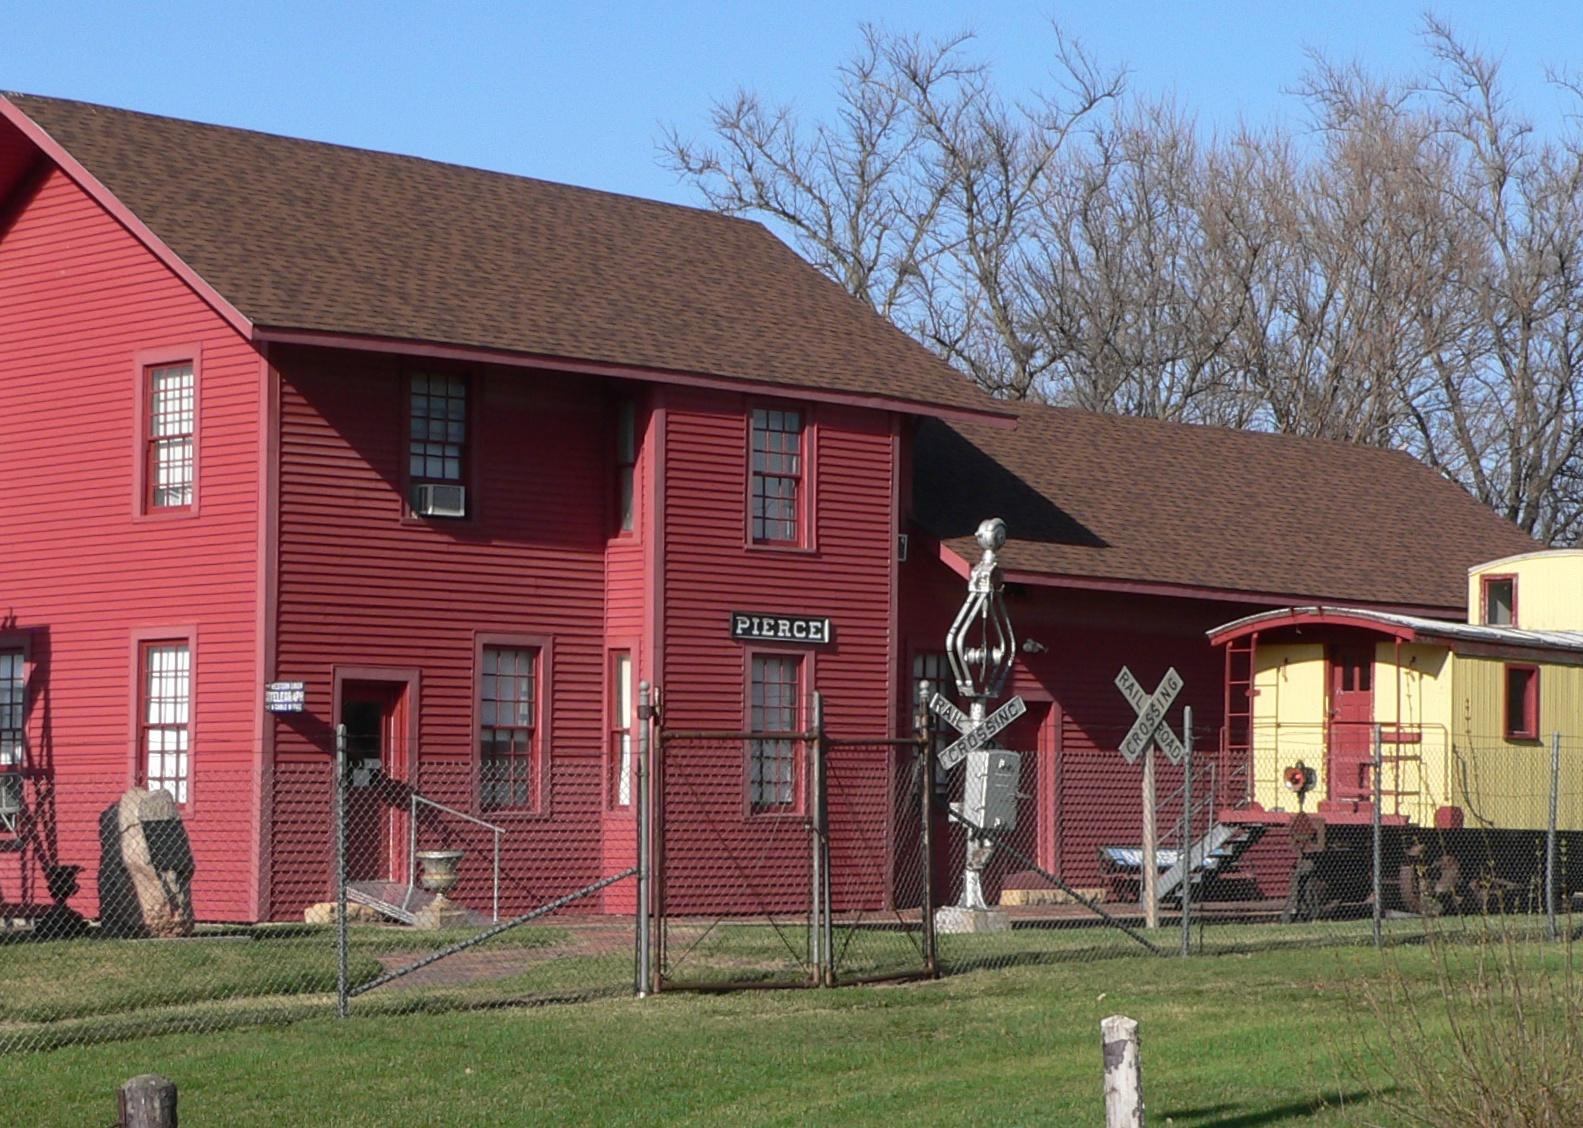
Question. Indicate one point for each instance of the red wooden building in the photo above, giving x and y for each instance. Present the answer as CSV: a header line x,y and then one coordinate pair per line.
x,y
1132,538
467,455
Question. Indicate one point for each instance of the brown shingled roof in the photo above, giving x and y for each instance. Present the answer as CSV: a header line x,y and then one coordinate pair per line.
x,y
302,235
1108,498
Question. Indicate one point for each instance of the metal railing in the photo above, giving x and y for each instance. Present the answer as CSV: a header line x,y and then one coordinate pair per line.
x,y
412,847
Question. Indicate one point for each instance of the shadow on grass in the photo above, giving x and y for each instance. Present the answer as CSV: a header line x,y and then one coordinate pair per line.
x,y
1227,1116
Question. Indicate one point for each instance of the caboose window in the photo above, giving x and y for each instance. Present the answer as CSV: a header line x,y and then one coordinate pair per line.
x,y
776,480
1500,601
1522,702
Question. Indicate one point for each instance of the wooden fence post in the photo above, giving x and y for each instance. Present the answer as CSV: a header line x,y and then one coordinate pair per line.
x,y
148,1101
1123,1072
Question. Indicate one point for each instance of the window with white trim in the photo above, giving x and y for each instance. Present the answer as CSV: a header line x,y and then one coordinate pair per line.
x,y
13,711
1500,601
508,699
776,485
775,699
166,717
622,715
169,457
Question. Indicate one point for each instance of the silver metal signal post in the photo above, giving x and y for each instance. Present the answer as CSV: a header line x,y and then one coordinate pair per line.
x,y
981,648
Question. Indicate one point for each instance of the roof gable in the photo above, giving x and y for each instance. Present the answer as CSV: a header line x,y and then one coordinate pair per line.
x,y
1140,501
301,235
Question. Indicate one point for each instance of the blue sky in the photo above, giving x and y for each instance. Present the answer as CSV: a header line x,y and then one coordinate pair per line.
x,y
579,92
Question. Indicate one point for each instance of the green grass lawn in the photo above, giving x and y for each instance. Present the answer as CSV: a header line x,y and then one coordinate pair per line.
x,y
1228,1040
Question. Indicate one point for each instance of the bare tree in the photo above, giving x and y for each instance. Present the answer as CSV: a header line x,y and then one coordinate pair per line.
x,y
1409,274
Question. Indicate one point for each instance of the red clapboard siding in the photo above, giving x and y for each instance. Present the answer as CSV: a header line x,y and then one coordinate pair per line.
x,y
848,574
1094,798
361,586
80,298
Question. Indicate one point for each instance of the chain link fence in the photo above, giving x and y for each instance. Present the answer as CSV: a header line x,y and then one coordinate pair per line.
x,y
841,861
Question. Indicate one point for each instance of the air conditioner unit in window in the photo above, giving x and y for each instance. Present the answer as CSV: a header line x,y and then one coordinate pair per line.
x,y
431,500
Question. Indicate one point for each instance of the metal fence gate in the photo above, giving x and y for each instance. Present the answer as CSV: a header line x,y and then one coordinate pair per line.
x,y
815,873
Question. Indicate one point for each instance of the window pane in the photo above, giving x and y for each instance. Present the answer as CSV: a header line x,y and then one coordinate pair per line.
x,y
166,711
774,694
438,427
507,722
776,469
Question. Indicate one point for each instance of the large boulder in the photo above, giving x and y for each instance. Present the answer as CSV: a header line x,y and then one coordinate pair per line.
x,y
145,867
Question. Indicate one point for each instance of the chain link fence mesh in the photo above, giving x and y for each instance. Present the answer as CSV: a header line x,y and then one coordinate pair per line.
x,y
125,915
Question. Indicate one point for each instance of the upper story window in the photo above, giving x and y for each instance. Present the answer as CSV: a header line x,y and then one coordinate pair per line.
x,y
1522,702
13,710
169,426
508,727
1500,601
626,465
776,488
774,702
437,445
165,713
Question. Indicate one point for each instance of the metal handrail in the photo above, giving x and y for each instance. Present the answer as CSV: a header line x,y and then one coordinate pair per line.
x,y
412,845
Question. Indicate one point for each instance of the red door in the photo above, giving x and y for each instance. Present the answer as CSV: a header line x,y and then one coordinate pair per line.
x,y
374,716
1351,721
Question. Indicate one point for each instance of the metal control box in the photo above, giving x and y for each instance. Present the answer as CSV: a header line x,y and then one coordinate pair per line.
x,y
989,797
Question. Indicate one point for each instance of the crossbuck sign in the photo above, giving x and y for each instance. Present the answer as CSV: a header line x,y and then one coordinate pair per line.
x,y
1150,725
973,739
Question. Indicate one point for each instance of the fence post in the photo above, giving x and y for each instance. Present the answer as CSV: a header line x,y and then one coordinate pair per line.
x,y
815,836
822,753
147,1101
1185,858
642,957
924,726
1374,823
1550,838
1118,1037
342,984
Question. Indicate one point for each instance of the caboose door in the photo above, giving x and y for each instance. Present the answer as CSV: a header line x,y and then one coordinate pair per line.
x,y
1350,729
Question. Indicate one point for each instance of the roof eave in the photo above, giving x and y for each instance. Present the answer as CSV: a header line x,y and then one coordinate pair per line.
x,y
957,563
440,350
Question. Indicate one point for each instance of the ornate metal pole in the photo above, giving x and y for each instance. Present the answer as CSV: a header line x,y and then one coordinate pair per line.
x,y
981,648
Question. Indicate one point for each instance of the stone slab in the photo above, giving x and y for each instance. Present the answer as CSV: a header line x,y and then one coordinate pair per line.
x,y
955,920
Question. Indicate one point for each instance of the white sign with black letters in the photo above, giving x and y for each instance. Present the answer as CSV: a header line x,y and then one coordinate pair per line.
x,y
285,697
755,626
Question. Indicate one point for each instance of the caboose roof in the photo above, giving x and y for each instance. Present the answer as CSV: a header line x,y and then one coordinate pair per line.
x,y
1461,638
300,240
1125,503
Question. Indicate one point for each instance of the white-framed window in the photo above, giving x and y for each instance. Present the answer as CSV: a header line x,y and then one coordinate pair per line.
x,y
774,706
622,718
166,716
169,432
508,728
13,714
776,492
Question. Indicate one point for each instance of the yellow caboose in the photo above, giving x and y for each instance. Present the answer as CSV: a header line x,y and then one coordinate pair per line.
x,y
1459,732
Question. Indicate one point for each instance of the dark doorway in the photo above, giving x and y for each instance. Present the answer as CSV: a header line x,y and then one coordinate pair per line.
x,y
374,714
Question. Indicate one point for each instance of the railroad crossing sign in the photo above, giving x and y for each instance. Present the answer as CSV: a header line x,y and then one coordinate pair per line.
x,y
1150,725
972,739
